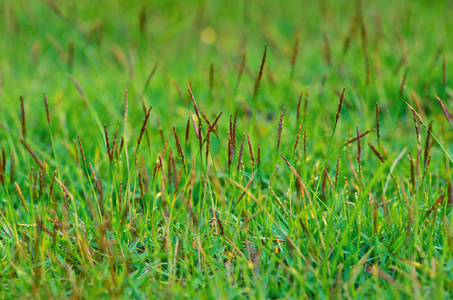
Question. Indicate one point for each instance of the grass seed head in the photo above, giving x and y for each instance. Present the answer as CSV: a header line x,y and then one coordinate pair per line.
x,y
47,108
33,154
206,119
21,196
41,184
107,143
359,146
280,128
186,141
52,182
419,118
195,127
208,141
125,108
211,78
445,110
337,171
260,74
79,89
376,152
121,145
411,160
114,143
81,152
427,143
250,150
145,122
305,143
200,136
179,91
150,76
98,187
193,101
76,152
298,136
359,137
259,155
339,107
179,148
352,30
234,129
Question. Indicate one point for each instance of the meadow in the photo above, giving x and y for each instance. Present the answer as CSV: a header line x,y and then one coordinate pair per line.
x,y
226,150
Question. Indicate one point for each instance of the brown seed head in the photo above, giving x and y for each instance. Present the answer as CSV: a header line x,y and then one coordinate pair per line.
x,y
114,142
339,107
419,118
358,137
444,108
52,182
250,150
260,74
33,154
337,170
178,90
107,142
178,146
427,143
81,151
280,128
187,131
200,136
359,146
145,122
298,136
193,102
47,108
376,152
22,199
259,155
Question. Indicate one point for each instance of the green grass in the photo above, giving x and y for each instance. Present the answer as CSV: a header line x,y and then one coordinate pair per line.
x,y
329,218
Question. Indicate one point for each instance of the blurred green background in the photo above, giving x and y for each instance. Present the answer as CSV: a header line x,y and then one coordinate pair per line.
x,y
110,45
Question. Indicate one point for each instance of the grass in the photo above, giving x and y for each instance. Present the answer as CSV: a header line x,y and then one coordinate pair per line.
x,y
212,150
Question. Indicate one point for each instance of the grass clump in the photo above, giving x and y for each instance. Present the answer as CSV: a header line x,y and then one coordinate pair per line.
x,y
293,172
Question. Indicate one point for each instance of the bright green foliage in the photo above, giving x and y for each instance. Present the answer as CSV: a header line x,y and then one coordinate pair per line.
x,y
139,222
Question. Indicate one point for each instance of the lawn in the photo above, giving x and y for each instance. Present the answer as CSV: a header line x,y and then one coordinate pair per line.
x,y
226,149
